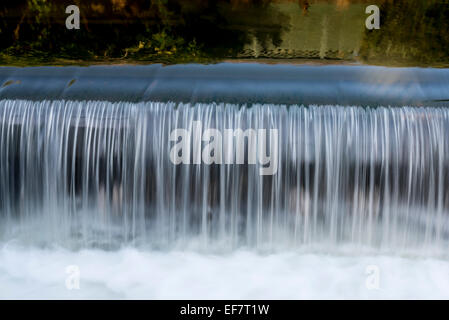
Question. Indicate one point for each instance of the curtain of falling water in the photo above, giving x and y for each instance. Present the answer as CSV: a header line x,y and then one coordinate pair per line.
x,y
99,173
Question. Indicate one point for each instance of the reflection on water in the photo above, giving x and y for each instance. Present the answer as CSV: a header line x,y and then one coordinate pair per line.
x,y
320,30
413,32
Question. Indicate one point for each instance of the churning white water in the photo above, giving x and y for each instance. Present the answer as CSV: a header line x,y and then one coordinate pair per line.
x,y
97,177
131,273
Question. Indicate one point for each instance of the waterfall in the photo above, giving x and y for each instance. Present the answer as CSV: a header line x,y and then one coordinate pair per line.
x,y
100,173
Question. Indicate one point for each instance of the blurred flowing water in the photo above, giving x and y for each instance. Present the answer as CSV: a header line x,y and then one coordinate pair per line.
x,y
99,174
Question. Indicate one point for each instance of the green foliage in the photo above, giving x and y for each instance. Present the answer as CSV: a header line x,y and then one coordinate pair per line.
x,y
412,32
148,30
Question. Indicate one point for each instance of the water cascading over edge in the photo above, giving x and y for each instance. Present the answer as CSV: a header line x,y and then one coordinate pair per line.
x,y
99,173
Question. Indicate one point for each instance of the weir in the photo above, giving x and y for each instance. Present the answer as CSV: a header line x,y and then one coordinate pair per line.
x,y
99,172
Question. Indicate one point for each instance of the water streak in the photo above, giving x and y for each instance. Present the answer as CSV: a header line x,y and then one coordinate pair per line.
x,y
99,173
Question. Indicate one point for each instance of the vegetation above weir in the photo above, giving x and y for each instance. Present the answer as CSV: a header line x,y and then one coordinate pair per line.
x,y
412,32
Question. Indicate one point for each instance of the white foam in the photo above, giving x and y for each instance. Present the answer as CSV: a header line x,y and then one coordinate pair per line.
x,y
34,273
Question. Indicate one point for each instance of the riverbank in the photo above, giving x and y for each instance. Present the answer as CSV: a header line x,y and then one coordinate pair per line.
x,y
412,33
